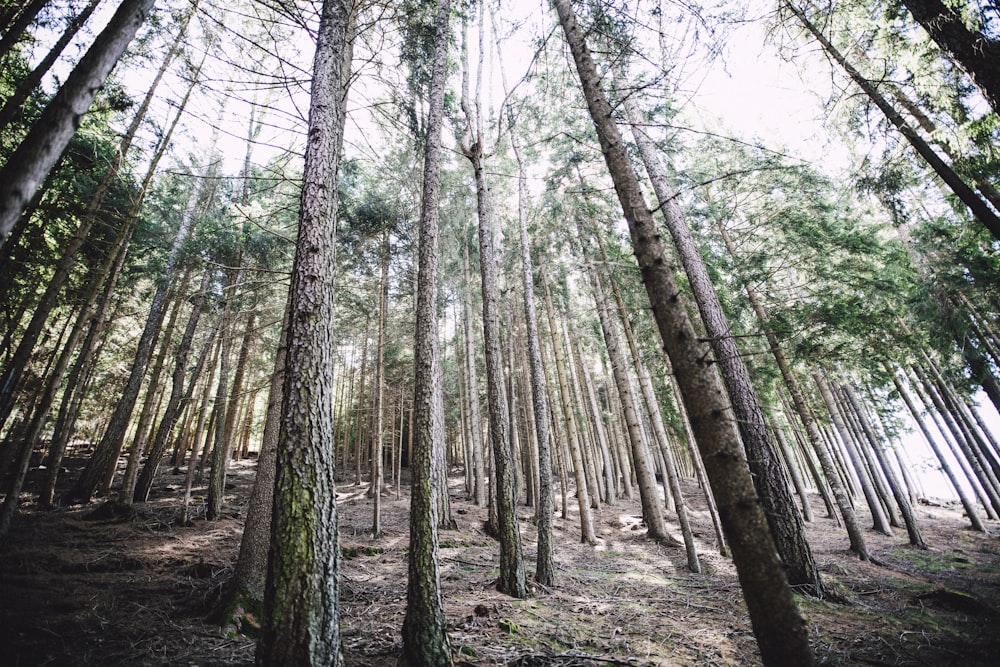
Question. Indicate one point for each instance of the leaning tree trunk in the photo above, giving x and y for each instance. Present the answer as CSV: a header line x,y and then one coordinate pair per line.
x,y
12,105
140,492
974,52
778,626
301,600
769,476
425,638
854,533
51,133
975,204
111,441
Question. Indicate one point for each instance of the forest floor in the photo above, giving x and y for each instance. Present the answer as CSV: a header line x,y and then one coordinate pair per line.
x,y
82,587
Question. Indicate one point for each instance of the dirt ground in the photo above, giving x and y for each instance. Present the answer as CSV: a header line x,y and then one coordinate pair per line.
x,y
79,589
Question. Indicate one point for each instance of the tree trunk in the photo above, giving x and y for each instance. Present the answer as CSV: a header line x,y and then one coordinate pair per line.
x,y
649,494
587,534
472,390
51,133
177,394
13,104
912,529
778,626
301,600
977,206
974,52
425,638
379,435
16,20
765,465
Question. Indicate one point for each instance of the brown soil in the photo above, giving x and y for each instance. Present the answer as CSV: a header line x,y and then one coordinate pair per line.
x,y
133,588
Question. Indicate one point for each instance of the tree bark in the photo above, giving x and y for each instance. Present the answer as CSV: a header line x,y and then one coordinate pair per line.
x,y
301,605
974,52
425,638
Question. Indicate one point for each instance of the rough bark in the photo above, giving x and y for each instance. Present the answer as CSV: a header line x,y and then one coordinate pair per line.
x,y
971,50
512,577
301,605
778,626
425,638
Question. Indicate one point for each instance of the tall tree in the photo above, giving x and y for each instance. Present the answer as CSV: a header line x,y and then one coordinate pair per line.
x,y
979,208
778,626
425,637
301,599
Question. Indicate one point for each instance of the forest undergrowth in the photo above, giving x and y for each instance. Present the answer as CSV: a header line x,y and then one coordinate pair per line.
x,y
94,585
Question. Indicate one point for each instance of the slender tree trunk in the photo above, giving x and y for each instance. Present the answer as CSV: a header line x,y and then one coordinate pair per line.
x,y
199,430
110,443
881,524
177,395
13,104
649,494
970,507
51,133
379,436
151,401
246,591
587,534
769,477
778,626
472,390
301,600
912,529
16,20
980,209
425,638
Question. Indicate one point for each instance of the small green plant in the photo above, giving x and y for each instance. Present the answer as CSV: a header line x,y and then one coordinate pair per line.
x,y
508,626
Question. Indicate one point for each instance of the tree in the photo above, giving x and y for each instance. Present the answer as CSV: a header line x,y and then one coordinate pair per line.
x,y
979,208
41,148
780,631
511,579
301,600
425,638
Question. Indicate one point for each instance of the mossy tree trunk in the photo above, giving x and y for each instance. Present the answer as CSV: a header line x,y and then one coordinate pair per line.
x,y
301,600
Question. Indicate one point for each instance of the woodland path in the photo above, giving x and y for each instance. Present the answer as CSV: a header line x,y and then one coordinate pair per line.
x,y
134,589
